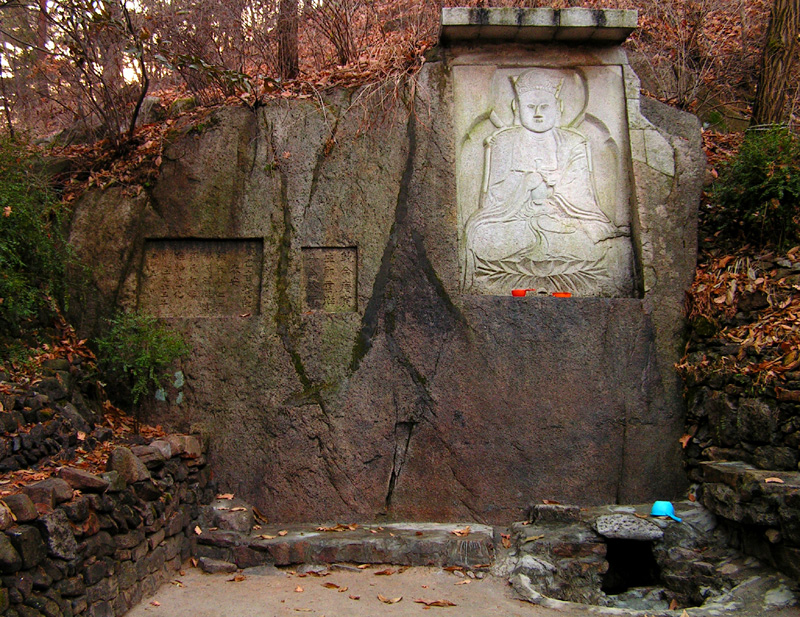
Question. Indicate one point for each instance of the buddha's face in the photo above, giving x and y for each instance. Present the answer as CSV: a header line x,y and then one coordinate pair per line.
x,y
538,110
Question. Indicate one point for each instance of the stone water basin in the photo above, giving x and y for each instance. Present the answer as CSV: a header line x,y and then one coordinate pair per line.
x,y
618,560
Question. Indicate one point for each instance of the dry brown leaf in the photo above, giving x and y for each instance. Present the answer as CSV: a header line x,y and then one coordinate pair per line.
x,y
282,532
773,481
453,569
343,589
685,440
461,533
239,509
386,600
265,536
339,527
363,566
225,496
505,539
532,538
237,579
298,589
352,597
386,572
673,605
466,581
177,583
330,585
551,502
197,530
155,603
434,602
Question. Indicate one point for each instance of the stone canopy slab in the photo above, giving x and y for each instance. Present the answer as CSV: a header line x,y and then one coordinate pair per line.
x,y
576,25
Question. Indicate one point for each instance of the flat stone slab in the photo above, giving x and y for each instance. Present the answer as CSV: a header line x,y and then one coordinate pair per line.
x,y
574,25
410,544
627,527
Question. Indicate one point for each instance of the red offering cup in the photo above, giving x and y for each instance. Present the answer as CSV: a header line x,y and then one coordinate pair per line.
x,y
520,292
562,294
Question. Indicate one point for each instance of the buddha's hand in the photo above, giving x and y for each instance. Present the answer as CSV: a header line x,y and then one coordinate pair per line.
x,y
538,191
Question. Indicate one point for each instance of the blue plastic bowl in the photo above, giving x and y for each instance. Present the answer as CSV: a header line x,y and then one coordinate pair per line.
x,y
664,508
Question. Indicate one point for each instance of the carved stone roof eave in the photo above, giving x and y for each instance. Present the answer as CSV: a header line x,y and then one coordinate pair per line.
x,y
540,25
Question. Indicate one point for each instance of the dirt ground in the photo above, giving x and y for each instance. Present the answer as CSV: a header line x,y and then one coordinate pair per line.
x,y
269,592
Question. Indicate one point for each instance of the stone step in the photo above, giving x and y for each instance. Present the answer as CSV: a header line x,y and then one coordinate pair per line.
x,y
404,544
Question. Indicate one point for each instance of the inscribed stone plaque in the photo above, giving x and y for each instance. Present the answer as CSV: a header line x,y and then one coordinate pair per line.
x,y
201,278
543,195
330,278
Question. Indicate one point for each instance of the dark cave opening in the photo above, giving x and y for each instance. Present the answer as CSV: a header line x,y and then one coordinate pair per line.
x,y
630,564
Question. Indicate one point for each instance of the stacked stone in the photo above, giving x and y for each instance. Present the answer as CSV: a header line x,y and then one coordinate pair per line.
x,y
53,414
83,544
745,446
730,417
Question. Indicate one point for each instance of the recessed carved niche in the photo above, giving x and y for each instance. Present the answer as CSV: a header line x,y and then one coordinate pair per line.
x,y
201,278
330,278
543,180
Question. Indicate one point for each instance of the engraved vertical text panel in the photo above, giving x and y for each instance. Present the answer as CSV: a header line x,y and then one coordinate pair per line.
x,y
330,278
201,278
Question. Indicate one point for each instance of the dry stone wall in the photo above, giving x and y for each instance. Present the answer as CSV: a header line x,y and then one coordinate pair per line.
x,y
82,544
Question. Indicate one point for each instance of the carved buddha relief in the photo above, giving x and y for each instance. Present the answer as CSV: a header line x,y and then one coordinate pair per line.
x,y
540,221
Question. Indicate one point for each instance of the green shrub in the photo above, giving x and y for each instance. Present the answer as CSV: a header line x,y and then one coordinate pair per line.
x,y
757,196
135,355
33,249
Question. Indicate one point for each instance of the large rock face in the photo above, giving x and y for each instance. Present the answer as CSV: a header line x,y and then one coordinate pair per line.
x,y
309,252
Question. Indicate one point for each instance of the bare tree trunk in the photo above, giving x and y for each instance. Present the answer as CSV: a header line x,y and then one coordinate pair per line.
x,y
7,108
780,50
288,61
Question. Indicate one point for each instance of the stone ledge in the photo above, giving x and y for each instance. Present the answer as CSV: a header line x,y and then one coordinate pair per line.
x,y
574,25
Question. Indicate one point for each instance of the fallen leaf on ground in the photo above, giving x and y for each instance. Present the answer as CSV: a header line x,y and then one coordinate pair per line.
x,y
774,481
505,539
461,532
435,602
551,502
238,509
225,496
197,530
343,589
354,597
466,581
685,440
363,566
282,532
386,600
339,527
178,583
386,572
193,562
330,585
265,536
298,589
532,538
237,579
673,605
155,603
453,569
